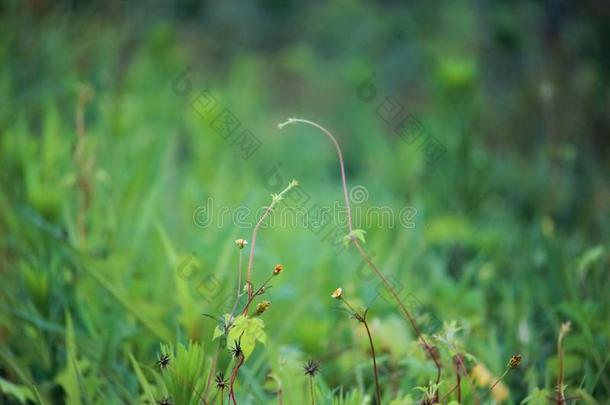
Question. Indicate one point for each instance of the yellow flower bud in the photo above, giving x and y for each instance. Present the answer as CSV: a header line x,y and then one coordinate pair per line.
x,y
262,307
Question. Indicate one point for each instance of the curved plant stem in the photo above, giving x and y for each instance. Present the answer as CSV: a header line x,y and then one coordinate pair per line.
x,y
339,154
240,361
276,198
361,250
377,389
362,318
403,308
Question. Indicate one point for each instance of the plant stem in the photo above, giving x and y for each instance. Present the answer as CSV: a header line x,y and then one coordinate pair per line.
x,y
565,328
448,393
268,210
311,393
458,382
361,250
470,384
402,307
280,397
362,318
377,389
498,380
240,361
339,154
238,283
256,294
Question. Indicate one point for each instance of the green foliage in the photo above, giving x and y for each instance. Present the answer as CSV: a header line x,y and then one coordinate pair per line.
x,y
510,238
71,378
184,380
145,385
247,331
19,392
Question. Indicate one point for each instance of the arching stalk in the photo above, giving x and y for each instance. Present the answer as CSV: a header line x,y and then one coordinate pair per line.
x,y
362,252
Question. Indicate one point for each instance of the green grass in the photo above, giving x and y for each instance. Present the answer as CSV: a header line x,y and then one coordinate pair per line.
x,y
510,237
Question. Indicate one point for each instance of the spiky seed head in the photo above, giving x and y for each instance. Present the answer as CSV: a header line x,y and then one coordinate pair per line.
x,y
165,401
236,350
220,381
311,368
514,361
163,361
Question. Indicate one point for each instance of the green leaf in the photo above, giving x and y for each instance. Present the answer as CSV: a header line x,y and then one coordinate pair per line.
x,y
19,392
219,330
39,399
142,379
247,331
70,378
588,259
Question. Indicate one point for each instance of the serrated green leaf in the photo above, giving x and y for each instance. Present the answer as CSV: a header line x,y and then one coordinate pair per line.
x,y
247,331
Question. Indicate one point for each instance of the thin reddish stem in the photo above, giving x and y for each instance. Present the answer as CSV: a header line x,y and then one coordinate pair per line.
x,y
361,250
377,388
268,211
240,361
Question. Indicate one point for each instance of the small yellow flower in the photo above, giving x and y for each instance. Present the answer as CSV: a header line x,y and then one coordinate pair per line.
x,y
278,269
241,243
262,307
337,293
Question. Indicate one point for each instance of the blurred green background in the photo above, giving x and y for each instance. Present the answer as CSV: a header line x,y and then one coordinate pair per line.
x,y
104,162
